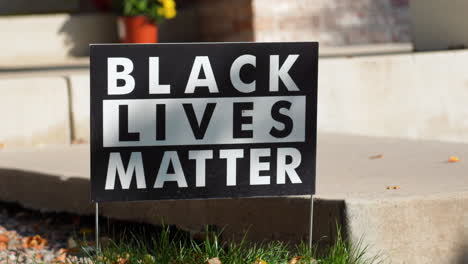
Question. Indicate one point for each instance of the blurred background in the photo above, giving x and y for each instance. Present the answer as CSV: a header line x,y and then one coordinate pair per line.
x,y
392,80
374,78
58,31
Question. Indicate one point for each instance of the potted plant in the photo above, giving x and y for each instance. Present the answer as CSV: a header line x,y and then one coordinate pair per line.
x,y
138,19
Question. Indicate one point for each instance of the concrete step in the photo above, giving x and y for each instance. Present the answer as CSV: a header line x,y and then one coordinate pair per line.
x,y
423,220
52,39
34,111
38,67
414,95
366,50
62,39
46,66
33,6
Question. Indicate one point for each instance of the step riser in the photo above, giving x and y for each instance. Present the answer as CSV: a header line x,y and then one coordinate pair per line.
x,y
430,230
418,96
49,38
34,111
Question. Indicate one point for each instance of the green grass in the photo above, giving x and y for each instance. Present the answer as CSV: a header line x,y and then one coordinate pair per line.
x,y
173,247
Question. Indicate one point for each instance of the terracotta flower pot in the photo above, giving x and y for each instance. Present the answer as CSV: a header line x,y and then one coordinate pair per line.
x,y
137,29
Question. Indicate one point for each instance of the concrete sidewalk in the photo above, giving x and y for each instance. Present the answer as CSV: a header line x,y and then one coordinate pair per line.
x,y
424,220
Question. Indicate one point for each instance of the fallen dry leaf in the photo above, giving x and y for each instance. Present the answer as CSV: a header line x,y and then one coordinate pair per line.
x,y
60,258
294,260
4,238
380,156
3,246
393,187
123,259
35,242
260,261
453,159
62,251
214,261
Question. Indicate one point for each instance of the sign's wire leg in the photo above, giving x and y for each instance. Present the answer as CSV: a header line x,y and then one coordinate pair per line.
x,y
311,220
97,228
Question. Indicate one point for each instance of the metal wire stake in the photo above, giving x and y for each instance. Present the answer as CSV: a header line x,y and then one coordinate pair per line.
x,y
97,228
311,220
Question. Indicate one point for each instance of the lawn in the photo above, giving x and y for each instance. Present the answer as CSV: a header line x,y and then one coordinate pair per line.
x,y
174,247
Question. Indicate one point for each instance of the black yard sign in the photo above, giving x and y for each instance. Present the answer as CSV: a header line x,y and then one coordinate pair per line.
x,y
198,121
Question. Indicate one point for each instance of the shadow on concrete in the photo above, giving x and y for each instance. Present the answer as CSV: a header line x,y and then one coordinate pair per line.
x,y
80,30
45,192
263,219
195,22
285,219
463,258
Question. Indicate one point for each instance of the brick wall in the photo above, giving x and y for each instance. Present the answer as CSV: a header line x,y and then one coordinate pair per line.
x,y
210,20
225,20
332,22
